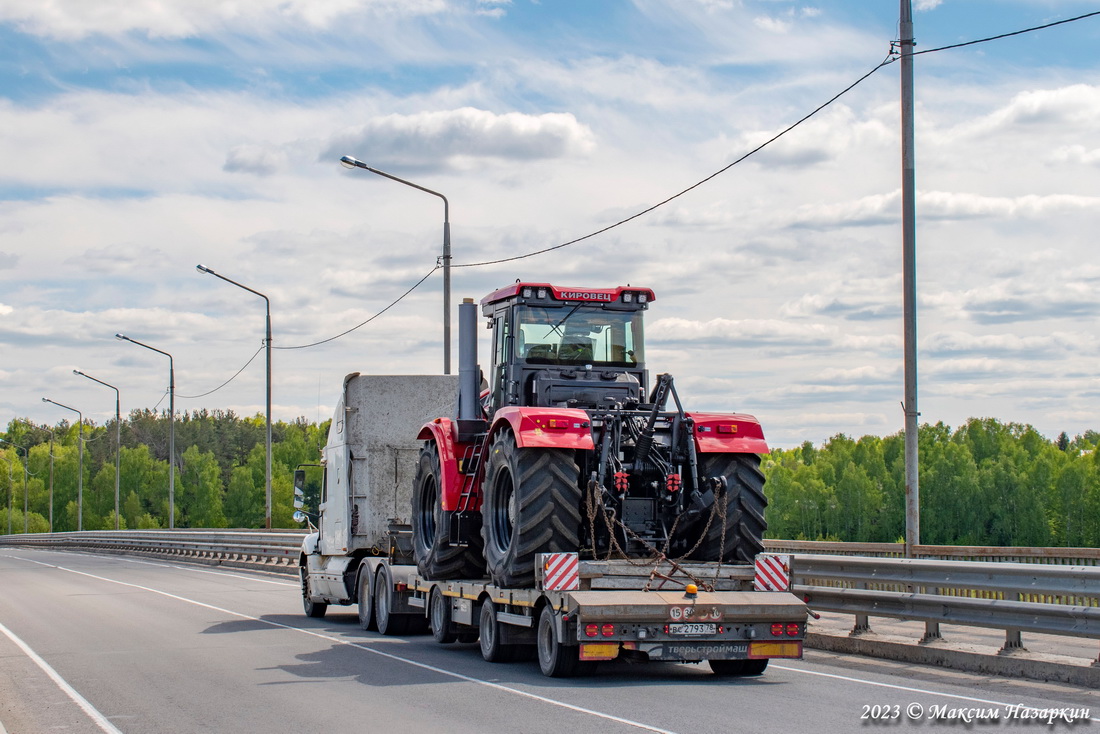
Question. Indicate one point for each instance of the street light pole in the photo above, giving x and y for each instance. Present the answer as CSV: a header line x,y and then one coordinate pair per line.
x,y
118,435
909,278
267,343
79,471
171,427
350,162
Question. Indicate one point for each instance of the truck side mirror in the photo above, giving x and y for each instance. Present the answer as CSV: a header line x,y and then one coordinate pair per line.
x,y
299,489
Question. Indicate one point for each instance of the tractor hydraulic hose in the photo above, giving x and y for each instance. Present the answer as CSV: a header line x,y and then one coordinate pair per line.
x,y
660,396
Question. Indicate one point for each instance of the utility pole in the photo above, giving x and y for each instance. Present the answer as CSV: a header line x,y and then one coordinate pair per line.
x,y
909,279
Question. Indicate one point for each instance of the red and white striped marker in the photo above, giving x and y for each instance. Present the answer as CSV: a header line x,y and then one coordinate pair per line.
x,y
561,572
773,573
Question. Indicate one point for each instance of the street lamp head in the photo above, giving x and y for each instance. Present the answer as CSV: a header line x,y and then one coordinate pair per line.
x,y
45,400
122,337
78,372
349,162
204,269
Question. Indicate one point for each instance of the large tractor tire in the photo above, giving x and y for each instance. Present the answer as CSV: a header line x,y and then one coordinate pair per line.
x,y
745,503
435,557
531,504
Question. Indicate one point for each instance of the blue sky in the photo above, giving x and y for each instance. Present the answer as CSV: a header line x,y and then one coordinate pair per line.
x,y
143,139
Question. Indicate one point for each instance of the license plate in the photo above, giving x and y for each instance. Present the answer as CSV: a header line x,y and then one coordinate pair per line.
x,y
693,628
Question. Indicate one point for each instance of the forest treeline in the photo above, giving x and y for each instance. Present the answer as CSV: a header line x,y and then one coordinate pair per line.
x,y
219,483
984,483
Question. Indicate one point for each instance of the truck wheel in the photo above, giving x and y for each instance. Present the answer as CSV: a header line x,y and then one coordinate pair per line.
x,y
745,503
555,659
737,668
315,609
439,617
435,557
366,599
531,504
388,623
492,649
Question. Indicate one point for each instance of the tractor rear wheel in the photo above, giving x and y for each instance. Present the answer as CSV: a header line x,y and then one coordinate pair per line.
x,y
744,503
435,557
531,504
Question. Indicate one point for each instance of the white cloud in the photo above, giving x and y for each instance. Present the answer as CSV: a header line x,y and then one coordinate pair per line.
x,y
72,19
254,159
1072,106
427,139
1076,154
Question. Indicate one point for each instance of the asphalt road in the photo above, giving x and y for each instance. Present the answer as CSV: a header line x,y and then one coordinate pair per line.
x,y
92,643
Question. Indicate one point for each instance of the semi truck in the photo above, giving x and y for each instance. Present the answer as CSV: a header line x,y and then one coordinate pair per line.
x,y
558,506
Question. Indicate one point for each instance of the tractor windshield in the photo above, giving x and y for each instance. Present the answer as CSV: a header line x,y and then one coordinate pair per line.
x,y
578,335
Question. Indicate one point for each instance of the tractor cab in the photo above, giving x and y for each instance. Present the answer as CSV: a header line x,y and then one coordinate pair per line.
x,y
566,347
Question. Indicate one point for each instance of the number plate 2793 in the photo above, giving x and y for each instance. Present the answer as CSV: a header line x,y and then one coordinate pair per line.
x,y
692,628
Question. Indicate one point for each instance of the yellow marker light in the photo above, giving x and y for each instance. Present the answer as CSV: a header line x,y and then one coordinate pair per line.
x,y
691,591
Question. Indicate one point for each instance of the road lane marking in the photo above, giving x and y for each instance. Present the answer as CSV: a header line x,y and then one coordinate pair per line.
x,y
330,638
908,689
93,713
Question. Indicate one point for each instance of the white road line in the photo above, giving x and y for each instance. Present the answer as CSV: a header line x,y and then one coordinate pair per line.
x,y
896,687
330,638
93,713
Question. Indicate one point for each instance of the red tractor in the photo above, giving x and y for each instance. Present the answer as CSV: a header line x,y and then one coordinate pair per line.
x,y
569,449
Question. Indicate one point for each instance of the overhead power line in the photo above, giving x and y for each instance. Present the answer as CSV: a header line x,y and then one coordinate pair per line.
x,y
219,387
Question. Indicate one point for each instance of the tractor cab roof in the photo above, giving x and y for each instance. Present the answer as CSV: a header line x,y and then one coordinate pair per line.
x,y
626,297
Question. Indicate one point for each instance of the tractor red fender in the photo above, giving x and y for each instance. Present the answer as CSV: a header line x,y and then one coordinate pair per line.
x,y
441,432
551,428
732,433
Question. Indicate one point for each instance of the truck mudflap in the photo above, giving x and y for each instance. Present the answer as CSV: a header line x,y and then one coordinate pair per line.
x,y
674,626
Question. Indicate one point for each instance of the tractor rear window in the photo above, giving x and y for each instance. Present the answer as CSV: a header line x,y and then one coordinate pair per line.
x,y
578,335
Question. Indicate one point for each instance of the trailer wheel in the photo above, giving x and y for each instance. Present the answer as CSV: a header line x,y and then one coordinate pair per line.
x,y
435,557
531,504
388,623
745,503
366,599
439,616
737,668
492,649
315,609
555,659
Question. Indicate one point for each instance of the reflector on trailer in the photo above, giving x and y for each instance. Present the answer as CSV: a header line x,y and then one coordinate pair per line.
x,y
775,649
599,651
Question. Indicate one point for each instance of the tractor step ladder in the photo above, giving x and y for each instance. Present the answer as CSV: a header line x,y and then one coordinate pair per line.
x,y
465,516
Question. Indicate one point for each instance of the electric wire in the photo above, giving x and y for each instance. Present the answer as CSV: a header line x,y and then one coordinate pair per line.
x,y
219,387
1007,35
891,58
372,318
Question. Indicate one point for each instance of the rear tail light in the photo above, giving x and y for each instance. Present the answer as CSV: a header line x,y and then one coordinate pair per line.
x,y
777,629
792,629
591,630
608,630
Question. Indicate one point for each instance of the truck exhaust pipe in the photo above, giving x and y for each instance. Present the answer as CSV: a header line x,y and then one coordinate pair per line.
x,y
469,374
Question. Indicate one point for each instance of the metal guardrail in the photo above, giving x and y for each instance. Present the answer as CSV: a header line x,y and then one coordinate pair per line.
x,y
1015,597
1019,554
1042,596
271,550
